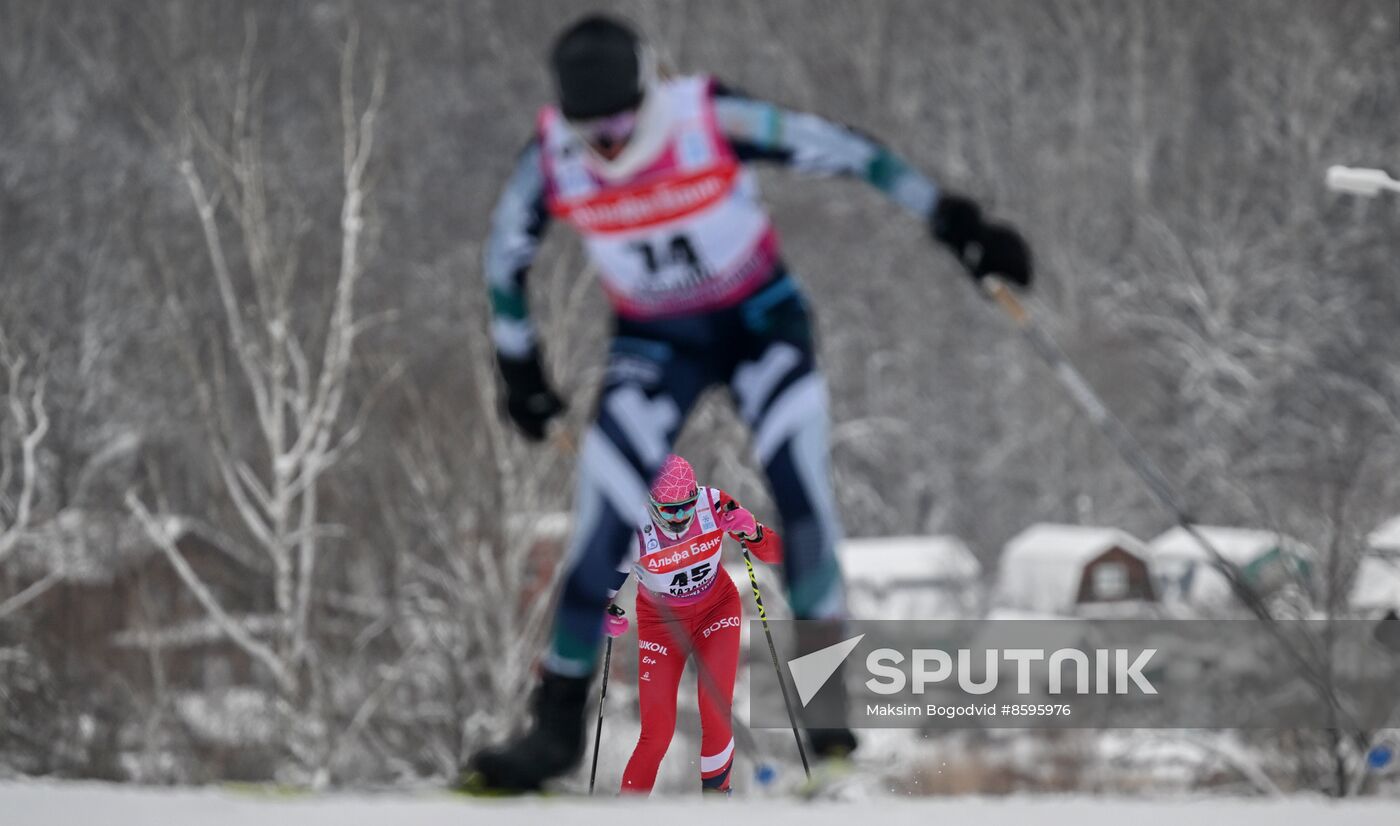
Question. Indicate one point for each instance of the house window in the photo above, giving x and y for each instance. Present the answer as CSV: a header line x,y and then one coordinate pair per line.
x,y
1110,581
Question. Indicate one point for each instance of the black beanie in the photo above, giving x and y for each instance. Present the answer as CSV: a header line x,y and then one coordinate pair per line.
x,y
597,71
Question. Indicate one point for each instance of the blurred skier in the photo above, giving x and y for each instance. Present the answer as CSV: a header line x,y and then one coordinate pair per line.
x,y
677,560
652,173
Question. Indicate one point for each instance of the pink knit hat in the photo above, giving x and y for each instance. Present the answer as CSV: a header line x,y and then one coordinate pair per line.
x,y
675,482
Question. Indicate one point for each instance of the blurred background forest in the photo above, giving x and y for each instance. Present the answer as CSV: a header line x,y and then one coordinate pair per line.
x,y
258,515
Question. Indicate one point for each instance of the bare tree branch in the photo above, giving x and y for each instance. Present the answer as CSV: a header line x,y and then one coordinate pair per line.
x,y
37,589
30,421
235,632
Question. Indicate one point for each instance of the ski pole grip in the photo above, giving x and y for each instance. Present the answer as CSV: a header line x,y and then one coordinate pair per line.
x,y
1002,295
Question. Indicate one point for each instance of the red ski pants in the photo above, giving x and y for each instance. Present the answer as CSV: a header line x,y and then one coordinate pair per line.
x,y
712,630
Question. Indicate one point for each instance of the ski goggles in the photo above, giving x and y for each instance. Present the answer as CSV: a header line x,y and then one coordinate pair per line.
x,y
676,513
609,133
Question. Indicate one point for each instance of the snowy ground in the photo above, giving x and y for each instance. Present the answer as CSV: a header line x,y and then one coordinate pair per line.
x,y
92,804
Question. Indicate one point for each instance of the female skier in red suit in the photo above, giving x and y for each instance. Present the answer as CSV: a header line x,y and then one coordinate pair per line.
x,y
677,563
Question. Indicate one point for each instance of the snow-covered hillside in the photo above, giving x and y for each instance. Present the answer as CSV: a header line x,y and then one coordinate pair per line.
x,y
92,804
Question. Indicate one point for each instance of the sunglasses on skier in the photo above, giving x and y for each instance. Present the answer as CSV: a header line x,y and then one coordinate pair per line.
x,y
675,512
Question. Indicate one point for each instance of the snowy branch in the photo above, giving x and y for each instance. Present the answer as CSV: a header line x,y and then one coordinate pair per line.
x,y
30,593
28,419
159,535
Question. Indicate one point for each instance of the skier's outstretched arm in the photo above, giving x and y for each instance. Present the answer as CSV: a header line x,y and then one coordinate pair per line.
x,y
517,226
811,144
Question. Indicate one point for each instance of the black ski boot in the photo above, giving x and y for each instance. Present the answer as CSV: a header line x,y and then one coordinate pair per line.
x,y
831,743
552,746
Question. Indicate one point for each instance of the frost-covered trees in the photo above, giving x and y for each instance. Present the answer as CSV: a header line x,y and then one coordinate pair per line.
x,y
291,361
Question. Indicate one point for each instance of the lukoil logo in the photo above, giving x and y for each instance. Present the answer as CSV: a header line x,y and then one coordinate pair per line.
x,y
655,647
891,671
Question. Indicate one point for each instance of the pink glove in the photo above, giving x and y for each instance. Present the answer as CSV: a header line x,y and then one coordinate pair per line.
x,y
739,523
615,622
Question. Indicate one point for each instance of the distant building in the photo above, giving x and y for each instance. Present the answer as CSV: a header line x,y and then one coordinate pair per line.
x,y
1069,570
119,623
911,577
118,600
1386,538
1376,589
1185,573
542,538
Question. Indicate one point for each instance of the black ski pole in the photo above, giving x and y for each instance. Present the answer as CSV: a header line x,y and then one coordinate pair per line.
x,y
773,651
602,701
1132,453
1088,401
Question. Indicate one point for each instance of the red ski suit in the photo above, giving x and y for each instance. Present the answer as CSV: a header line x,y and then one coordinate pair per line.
x,y
700,601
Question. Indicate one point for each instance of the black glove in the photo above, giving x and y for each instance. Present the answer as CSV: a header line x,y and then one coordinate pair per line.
x,y
530,401
983,248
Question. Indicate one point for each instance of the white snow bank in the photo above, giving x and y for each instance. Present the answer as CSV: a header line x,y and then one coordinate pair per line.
x,y
41,804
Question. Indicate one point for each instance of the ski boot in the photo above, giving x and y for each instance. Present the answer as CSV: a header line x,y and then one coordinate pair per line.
x,y
831,743
552,746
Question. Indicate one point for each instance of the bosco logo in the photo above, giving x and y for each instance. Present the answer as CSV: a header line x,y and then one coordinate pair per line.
x,y
727,622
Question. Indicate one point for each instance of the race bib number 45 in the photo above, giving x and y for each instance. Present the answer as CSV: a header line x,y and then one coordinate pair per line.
x,y
683,569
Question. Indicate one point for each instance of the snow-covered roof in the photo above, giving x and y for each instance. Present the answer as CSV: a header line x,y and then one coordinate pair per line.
x,y
87,546
1377,584
1185,575
1387,536
1042,566
1067,544
888,560
92,547
1239,545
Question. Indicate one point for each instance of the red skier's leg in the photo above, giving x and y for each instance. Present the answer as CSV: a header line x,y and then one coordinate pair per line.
x,y
716,641
660,662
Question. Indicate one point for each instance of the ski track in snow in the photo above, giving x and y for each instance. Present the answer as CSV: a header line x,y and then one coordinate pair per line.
x,y
97,804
